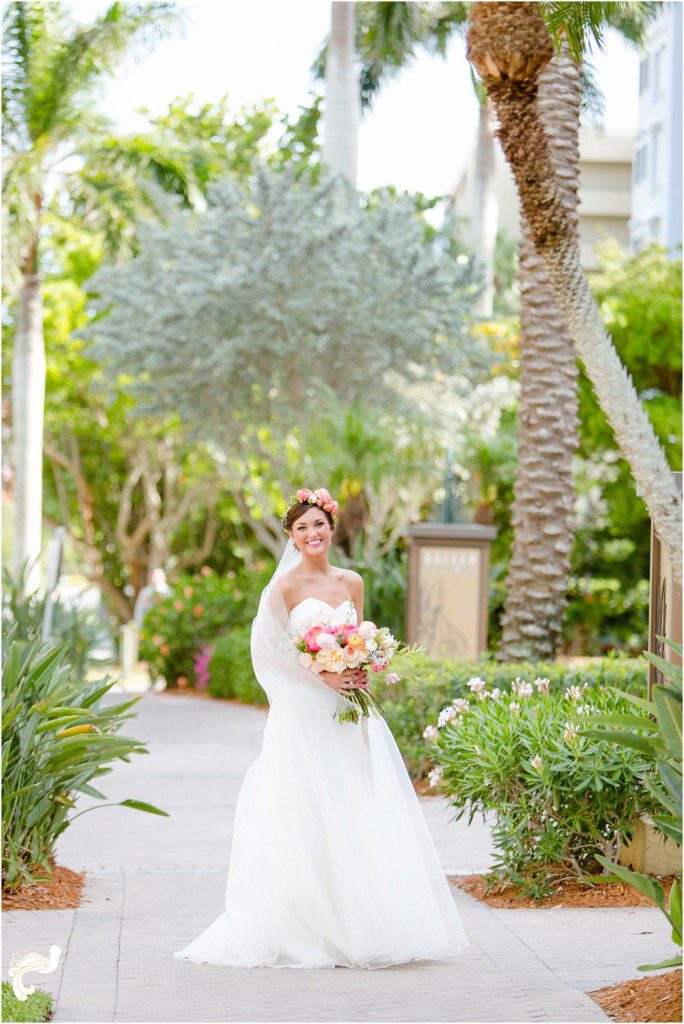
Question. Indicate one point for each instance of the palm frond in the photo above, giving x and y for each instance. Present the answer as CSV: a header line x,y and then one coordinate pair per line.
x,y
584,22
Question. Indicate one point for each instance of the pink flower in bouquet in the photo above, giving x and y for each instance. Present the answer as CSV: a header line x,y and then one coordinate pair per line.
x,y
392,678
379,664
310,640
326,641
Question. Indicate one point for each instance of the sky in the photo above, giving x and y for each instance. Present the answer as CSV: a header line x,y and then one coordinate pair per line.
x,y
421,130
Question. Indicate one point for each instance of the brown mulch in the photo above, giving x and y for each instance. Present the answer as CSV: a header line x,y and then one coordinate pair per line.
x,y
657,997
63,892
572,894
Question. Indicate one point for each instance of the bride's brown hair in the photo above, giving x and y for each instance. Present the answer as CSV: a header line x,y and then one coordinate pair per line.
x,y
296,511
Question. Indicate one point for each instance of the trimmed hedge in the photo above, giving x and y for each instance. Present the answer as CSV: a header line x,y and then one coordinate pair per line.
x,y
231,669
429,684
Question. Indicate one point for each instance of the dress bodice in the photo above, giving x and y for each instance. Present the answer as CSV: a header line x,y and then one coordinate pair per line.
x,y
313,609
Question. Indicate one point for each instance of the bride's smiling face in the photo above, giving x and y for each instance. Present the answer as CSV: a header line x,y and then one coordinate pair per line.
x,y
312,532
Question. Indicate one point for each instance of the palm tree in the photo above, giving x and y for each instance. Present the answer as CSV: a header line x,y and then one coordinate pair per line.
x,y
342,114
510,45
51,67
542,514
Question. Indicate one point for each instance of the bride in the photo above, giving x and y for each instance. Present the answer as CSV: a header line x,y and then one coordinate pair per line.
x,y
331,863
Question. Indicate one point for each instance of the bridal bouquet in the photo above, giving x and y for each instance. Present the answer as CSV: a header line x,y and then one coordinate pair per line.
x,y
336,646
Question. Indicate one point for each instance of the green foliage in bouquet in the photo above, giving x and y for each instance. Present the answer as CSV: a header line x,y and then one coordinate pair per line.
x,y
199,608
429,684
559,799
655,731
56,738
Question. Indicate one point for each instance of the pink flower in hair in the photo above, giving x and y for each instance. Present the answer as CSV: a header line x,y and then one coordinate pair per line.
x,y
304,494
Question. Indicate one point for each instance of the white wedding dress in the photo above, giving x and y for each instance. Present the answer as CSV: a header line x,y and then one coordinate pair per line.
x,y
331,863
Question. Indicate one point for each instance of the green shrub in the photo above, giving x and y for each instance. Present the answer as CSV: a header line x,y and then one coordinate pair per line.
x,y
429,684
198,609
231,669
56,739
559,798
36,1007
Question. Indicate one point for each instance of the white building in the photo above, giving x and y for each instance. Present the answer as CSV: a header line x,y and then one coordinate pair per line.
x,y
604,194
657,178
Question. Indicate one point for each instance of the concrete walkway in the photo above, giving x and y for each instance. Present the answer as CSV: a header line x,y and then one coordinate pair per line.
x,y
154,883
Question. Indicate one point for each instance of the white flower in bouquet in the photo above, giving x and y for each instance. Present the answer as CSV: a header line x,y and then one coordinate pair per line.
x,y
326,641
305,659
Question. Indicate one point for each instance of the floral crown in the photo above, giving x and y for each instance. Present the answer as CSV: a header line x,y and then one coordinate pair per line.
x,y
319,497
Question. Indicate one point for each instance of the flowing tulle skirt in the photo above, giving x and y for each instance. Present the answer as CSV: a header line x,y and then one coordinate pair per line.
x,y
332,863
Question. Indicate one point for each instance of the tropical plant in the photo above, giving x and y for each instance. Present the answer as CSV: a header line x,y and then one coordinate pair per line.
x,y
51,67
561,801
57,737
509,44
657,735
428,685
267,282
79,629
389,35
196,610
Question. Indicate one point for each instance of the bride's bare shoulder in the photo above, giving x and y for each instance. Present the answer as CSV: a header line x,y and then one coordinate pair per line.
x,y
288,583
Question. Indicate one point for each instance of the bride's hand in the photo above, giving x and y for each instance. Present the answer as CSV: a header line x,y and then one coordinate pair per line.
x,y
342,681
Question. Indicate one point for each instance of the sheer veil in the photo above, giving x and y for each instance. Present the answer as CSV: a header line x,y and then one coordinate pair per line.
x,y
273,656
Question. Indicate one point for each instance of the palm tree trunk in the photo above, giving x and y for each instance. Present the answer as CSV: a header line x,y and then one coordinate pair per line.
x,y
485,208
542,515
28,402
509,45
342,114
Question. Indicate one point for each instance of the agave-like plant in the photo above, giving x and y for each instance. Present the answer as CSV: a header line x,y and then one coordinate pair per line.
x,y
56,739
660,737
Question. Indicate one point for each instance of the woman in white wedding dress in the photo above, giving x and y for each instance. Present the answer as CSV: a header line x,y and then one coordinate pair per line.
x,y
331,863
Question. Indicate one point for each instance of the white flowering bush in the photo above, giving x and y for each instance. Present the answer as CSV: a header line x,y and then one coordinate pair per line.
x,y
559,798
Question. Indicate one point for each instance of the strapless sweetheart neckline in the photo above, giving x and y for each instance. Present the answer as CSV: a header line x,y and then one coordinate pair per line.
x,y
321,601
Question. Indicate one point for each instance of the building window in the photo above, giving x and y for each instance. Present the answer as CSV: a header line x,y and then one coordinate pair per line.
x,y
640,163
658,61
643,74
656,158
